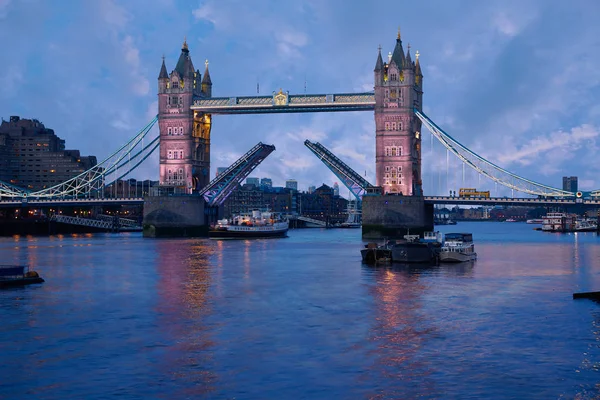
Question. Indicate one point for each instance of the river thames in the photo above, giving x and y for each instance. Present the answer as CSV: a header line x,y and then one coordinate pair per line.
x,y
301,317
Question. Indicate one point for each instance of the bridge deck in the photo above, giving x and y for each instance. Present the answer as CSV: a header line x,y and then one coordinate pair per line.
x,y
286,103
492,201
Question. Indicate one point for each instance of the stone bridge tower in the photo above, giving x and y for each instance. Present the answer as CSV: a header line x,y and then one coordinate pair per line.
x,y
184,136
398,90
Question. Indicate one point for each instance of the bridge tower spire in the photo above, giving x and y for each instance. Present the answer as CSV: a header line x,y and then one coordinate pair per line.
x,y
398,140
184,153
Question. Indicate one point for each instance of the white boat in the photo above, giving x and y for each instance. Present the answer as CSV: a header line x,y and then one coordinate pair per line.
x,y
458,247
354,216
537,221
255,225
558,222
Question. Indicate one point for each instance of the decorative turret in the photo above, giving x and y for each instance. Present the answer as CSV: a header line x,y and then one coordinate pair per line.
x,y
206,82
378,64
163,70
398,54
379,68
407,60
185,67
418,73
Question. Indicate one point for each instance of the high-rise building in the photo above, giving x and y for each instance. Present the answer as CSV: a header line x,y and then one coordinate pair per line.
x,y
291,184
311,189
253,181
336,189
266,183
33,157
184,135
398,90
570,183
220,170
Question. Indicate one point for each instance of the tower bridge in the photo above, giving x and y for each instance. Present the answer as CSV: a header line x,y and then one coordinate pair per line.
x,y
186,107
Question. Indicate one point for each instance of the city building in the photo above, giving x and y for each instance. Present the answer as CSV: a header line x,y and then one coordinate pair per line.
x,y
336,189
253,181
266,183
220,170
311,189
398,90
323,204
570,183
291,184
33,157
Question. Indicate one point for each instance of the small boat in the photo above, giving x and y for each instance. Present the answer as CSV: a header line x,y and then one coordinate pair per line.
x,y
375,254
458,247
537,221
18,275
511,220
255,225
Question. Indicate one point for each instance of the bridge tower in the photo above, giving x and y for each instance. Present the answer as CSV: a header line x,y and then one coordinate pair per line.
x,y
184,135
398,90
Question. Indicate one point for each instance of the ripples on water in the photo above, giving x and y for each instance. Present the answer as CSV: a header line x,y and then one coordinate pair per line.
x,y
300,317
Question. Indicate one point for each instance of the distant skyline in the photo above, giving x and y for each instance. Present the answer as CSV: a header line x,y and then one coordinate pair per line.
x,y
515,81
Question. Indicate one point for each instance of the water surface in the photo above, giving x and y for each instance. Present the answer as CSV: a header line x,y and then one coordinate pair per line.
x,y
300,317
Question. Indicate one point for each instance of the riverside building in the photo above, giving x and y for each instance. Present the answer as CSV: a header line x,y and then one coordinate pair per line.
x,y
33,157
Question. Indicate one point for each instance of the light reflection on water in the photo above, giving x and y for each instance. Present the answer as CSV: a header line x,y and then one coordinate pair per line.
x,y
300,317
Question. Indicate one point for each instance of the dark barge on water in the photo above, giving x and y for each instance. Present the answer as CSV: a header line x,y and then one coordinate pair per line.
x,y
411,249
17,275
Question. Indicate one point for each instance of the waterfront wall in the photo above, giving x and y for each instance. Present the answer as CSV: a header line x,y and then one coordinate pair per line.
x,y
174,216
393,216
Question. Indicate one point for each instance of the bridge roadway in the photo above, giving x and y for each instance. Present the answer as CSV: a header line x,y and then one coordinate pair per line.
x,y
30,202
474,201
507,201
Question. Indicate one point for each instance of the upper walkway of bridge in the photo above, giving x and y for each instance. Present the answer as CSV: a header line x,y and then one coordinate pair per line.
x,y
281,102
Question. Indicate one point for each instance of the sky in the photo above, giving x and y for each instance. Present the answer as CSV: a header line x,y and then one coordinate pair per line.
x,y
517,82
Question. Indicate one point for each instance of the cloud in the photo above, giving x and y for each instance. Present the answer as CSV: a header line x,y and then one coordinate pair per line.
x,y
4,6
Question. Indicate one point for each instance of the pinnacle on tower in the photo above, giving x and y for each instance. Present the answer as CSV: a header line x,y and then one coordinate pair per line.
x,y
379,63
163,70
398,55
206,79
408,60
418,64
185,45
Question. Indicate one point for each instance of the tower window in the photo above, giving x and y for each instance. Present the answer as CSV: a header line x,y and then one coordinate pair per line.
x,y
387,169
387,126
170,154
181,130
393,126
169,131
170,175
399,126
175,84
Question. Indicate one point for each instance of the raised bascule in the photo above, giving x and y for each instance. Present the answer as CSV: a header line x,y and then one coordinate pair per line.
x,y
187,199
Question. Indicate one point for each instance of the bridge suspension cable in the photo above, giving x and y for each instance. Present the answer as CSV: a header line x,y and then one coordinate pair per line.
x,y
217,191
93,180
356,184
487,168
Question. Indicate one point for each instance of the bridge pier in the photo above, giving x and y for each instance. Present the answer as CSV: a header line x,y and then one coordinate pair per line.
x,y
175,216
393,216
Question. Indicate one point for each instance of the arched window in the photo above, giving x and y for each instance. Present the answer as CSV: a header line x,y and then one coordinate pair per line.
x,y
180,177
169,131
399,151
170,175
399,126
387,126
175,84
394,151
170,154
181,130
393,126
